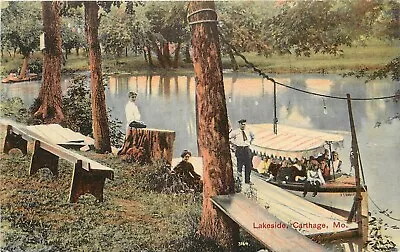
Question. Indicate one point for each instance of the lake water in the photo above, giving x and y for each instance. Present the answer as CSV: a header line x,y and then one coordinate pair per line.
x,y
169,103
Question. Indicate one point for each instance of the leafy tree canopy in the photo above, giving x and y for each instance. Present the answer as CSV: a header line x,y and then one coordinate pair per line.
x,y
115,30
73,28
22,26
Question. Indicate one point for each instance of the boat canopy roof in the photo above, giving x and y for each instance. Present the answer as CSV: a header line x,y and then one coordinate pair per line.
x,y
291,142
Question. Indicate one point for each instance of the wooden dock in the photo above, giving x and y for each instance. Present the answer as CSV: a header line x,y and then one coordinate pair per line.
x,y
309,219
265,227
306,217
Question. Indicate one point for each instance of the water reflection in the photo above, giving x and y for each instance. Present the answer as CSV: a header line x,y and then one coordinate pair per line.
x,y
168,102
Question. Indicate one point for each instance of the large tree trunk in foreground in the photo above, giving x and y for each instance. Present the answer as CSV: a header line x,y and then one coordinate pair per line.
x,y
50,96
147,145
212,134
101,131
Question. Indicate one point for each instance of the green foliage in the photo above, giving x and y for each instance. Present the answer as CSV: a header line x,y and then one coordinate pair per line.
x,y
21,26
160,178
388,23
36,215
168,20
14,109
241,23
377,240
391,69
78,112
76,106
115,31
73,29
36,66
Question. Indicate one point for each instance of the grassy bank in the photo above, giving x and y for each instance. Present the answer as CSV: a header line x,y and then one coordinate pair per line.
x,y
372,56
36,215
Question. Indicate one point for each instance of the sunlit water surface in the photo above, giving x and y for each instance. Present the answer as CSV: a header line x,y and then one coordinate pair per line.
x,y
168,102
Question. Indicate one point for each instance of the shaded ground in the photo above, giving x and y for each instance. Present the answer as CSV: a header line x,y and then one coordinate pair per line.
x,y
36,215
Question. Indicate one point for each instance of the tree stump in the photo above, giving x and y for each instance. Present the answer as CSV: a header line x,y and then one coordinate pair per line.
x,y
148,145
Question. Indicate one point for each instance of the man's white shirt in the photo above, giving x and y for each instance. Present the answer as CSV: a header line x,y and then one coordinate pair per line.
x,y
236,137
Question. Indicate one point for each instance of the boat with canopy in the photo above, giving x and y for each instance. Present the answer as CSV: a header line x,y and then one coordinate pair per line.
x,y
291,144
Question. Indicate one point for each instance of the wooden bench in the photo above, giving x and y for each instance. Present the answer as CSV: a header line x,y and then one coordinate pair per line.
x,y
266,228
88,176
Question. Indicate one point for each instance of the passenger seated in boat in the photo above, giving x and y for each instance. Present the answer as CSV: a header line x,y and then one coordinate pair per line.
x,y
314,179
274,168
263,166
285,171
300,170
185,171
337,163
324,157
326,172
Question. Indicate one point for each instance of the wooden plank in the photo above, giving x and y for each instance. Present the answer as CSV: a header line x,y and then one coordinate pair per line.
x,y
290,208
46,133
68,134
273,233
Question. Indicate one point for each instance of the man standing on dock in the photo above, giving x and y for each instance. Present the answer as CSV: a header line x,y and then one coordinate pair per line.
x,y
242,139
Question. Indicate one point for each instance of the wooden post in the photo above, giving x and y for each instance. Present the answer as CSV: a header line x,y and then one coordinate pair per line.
x,y
84,181
43,158
354,163
13,140
148,145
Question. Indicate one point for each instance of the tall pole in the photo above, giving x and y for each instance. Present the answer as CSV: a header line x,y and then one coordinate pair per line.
x,y
275,118
355,164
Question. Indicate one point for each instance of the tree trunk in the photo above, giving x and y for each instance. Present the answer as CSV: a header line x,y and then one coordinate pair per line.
x,y
24,67
176,55
213,136
166,54
145,55
187,54
234,64
50,96
77,51
149,56
148,145
101,131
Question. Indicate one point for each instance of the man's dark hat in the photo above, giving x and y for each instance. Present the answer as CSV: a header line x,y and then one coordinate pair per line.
x,y
242,121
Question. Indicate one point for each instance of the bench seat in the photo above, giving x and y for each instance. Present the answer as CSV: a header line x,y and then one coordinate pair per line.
x,y
88,175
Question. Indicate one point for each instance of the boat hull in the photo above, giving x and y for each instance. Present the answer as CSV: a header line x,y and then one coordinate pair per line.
x,y
337,196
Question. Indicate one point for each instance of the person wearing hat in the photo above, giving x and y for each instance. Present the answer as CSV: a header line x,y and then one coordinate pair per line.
x,y
242,139
131,111
185,171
